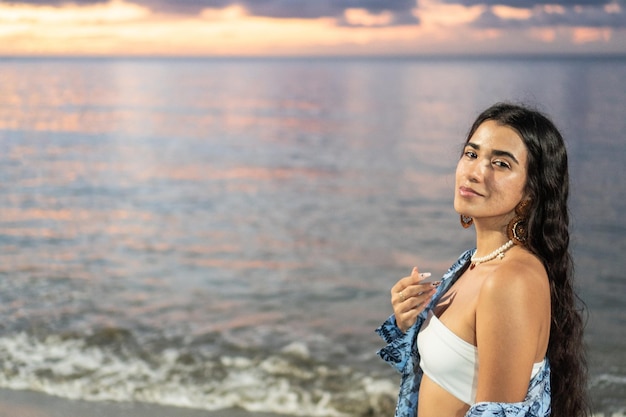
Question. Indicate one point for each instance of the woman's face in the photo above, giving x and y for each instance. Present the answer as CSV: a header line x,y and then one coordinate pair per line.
x,y
491,174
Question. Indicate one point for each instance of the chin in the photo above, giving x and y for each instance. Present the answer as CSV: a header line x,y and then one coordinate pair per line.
x,y
459,207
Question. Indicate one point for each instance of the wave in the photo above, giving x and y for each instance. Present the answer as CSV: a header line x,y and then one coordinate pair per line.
x,y
109,366
608,379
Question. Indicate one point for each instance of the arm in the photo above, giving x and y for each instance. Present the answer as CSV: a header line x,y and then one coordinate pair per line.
x,y
512,329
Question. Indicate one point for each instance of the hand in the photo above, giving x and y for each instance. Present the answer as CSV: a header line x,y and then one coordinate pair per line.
x,y
409,298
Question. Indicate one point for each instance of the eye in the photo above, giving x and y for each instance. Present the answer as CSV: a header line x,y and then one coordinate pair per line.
x,y
502,164
470,154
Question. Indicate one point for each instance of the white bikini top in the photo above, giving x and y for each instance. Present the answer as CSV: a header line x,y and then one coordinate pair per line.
x,y
450,361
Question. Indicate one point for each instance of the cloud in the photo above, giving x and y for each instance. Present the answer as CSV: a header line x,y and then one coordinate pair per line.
x,y
54,2
23,15
387,13
531,3
398,11
608,15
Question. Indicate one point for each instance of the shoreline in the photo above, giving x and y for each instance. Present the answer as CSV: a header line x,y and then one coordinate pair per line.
x,y
16,403
23,403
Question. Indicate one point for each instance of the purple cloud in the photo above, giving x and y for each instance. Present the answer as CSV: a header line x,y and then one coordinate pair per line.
x,y
572,16
304,9
526,4
589,13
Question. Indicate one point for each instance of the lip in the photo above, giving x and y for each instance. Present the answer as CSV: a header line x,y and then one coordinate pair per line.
x,y
468,192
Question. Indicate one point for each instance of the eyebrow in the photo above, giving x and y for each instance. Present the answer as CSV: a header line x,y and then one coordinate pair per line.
x,y
495,152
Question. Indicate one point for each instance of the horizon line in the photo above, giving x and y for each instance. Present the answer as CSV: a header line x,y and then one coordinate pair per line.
x,y
330,56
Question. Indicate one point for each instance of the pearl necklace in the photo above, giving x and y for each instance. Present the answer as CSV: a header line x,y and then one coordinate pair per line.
x,y
498,253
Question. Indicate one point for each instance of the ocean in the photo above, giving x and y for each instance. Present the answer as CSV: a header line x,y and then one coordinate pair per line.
x,y
223,233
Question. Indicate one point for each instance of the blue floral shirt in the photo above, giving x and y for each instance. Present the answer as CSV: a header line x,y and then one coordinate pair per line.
x,y
401,353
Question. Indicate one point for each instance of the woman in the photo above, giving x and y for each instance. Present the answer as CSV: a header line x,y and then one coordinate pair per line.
x,y
501,334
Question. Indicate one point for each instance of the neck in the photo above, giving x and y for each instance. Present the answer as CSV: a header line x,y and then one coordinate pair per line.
x,y
488,240
497,253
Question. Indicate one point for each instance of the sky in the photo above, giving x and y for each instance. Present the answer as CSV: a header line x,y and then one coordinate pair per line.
x,y
311,27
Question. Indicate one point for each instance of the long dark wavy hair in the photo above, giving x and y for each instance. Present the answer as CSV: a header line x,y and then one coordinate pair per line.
x,y
547,186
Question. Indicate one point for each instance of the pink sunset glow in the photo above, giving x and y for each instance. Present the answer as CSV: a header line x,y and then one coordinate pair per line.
x,y
142,27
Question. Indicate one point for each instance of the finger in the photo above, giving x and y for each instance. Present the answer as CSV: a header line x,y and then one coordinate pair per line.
x,y
404,303
412,279
422,278
406,313
421,298
412,291
402,284
415,272
401,296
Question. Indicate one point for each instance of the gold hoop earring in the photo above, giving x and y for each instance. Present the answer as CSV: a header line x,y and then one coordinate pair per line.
x,y
466,221
517,230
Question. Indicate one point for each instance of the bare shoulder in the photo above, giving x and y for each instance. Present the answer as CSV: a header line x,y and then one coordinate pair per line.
x,y
521,280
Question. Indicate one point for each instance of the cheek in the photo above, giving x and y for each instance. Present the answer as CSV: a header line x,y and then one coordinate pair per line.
x,y
459,171
515,189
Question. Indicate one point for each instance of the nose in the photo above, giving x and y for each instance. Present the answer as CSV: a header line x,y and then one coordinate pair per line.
x,y
477,170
